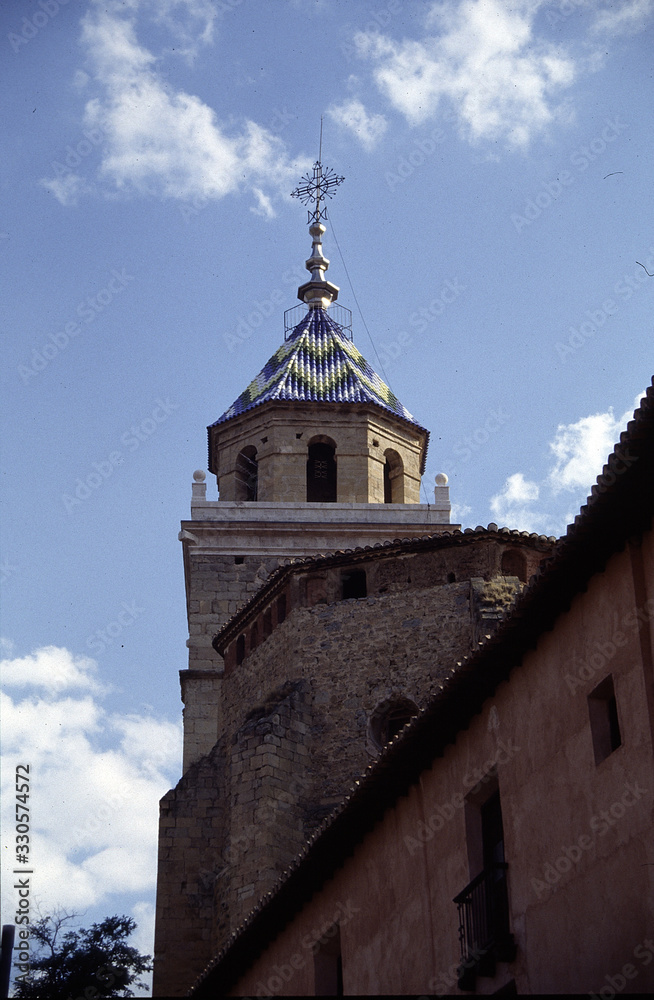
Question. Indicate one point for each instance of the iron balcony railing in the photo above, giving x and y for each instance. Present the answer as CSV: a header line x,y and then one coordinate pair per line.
x,y
484,935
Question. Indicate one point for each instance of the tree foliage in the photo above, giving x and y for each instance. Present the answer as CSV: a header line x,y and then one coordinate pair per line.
x,y
84,963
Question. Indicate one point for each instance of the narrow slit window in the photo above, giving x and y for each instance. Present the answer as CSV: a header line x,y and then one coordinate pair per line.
x,y
604,722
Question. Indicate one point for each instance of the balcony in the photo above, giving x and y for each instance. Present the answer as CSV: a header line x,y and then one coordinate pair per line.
x,y
484,925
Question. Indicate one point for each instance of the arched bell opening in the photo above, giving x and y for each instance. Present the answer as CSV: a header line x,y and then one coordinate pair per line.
x,y
321,471
393,477
247,474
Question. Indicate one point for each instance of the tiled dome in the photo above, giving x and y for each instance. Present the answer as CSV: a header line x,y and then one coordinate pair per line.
x,y
318,363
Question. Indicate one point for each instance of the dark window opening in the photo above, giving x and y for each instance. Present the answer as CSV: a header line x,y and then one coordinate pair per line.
x,y
394,723
247,474
239,560
451,577
514,563
281,609
389,719
240,649
388,489
483,905
393,478
321,473
267,623
604,724
254,636
354,584
328,964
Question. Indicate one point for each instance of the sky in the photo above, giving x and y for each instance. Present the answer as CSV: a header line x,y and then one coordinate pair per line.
x,y
492,238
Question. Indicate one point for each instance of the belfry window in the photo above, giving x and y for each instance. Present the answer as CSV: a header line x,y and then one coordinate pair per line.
x,y
393,478
247,474
321,473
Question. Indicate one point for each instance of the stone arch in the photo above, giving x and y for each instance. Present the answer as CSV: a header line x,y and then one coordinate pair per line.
x,y
247,474
393,477
321,470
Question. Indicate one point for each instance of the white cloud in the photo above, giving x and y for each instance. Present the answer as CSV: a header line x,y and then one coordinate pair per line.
x,y
165,142
96,781
627,17
67,188
54,669
483,60
510,505
368,128
581,449
579,452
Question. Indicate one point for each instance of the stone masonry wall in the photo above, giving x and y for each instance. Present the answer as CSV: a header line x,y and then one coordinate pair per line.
x,y
192,836
268,769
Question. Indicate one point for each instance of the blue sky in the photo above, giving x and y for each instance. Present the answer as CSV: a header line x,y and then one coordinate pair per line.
x,y
497,200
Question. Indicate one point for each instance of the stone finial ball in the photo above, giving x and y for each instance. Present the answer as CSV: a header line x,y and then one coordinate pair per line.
x,y
199,476
441,479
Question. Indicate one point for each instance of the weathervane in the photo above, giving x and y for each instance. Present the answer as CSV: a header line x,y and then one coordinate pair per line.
x,y
317,186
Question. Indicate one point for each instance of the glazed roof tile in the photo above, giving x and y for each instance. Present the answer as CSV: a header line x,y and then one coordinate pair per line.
x,y
318,363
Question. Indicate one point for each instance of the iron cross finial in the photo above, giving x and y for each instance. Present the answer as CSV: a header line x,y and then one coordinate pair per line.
x,y
316,188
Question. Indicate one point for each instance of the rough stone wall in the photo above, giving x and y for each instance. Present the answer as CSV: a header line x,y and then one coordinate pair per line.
x,y
269,783
192,836
220,586
356,654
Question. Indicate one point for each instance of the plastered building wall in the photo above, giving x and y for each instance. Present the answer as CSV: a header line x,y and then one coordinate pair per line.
x,y
577,832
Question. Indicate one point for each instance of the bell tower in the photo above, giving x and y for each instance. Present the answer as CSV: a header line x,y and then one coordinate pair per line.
x,y
316,456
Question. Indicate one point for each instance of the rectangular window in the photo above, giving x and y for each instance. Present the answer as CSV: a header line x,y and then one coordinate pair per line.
x,y
604,724
328,965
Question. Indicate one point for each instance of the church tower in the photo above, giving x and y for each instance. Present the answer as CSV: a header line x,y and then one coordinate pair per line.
x,y
316,457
